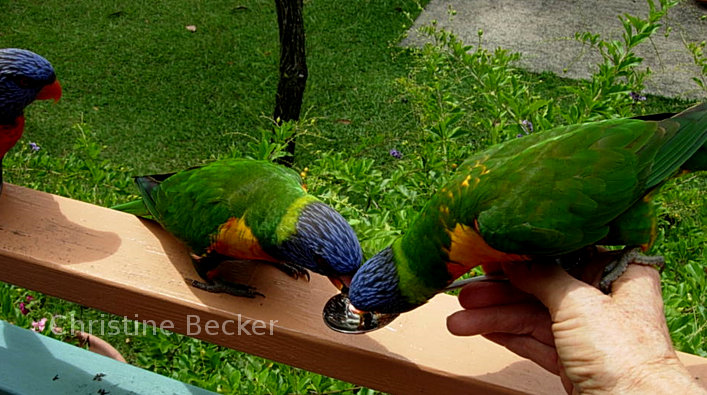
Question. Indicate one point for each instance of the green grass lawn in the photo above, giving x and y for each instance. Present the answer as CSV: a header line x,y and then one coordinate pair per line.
x,y
161,97
151,96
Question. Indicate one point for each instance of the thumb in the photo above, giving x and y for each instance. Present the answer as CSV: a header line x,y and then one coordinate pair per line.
x,y
548,282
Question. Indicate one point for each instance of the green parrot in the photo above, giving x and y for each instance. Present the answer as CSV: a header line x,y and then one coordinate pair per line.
x,y
239,209
551,196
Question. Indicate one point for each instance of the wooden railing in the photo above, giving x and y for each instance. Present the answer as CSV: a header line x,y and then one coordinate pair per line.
x,y
118,263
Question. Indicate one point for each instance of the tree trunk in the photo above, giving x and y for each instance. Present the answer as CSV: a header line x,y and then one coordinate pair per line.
x,y
293,67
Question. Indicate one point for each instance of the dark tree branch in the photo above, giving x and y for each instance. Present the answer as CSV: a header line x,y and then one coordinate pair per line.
x,y
293,67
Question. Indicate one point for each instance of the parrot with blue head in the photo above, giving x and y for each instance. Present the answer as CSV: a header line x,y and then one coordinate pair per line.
x,y
553,197
24,78
249,210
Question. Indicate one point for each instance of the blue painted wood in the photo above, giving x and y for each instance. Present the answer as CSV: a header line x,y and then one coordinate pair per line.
x,y
34,364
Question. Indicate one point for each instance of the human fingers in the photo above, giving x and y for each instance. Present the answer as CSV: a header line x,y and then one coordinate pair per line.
x,y
491,293
528,347
527,319
551,284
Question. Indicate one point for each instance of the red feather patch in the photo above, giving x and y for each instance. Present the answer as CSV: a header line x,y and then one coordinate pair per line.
x,y
9,134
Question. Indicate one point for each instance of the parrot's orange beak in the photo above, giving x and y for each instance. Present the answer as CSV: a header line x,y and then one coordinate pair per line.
x,y
341,282
51,91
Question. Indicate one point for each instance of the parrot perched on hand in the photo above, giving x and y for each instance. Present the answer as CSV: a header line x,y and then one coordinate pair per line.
x,y
24,78
551,196
240,209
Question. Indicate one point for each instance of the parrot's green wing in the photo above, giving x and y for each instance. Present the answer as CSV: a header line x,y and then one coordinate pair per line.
x,y
557,194
193,204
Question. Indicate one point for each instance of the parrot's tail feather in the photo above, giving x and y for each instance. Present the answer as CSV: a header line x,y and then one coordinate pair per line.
x,y
146,185
698,161
686,148
144,207
136,207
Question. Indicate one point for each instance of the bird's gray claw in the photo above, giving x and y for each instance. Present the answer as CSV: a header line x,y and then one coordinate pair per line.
x,y
230,288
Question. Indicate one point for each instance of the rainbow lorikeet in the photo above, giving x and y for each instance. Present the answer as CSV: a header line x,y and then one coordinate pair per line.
x,y
239,209
551,196
24,78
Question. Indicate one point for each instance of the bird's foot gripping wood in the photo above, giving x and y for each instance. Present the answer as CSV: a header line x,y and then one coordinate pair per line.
x,y
219,286
207,266
618,266
291,270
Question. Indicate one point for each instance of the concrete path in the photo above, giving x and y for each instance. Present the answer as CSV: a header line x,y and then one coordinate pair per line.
x,y
543,31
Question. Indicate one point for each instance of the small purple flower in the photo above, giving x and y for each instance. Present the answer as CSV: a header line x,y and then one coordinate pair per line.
x,y
29,298
23,308
636,97
35,147
527,127
395,154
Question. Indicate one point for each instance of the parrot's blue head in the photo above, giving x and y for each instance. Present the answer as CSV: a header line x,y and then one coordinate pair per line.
x,y
24,77
376,286
324,243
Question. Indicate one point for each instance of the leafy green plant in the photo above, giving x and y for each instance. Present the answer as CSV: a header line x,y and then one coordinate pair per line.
x,y
615,86
469,94
681,240
272,144
80,174
697,50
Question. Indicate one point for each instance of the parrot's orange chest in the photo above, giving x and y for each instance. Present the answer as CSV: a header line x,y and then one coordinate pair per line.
x,y
468,250
235,239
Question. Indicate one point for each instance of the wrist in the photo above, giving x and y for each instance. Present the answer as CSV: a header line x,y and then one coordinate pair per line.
x,y
666,377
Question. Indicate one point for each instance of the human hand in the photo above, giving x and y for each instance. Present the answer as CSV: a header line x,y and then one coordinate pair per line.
x,y
596,343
